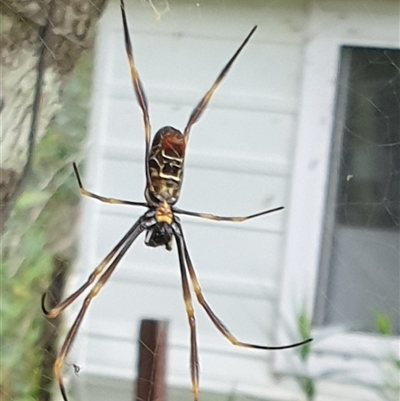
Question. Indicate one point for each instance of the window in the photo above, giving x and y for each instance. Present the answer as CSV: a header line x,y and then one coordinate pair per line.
x,y
341,263
360,261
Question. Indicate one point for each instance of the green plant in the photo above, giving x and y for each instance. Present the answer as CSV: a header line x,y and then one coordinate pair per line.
x,y
39,233
306,382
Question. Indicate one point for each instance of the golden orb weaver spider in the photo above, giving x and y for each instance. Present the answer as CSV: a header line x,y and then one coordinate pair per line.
x,y
164,174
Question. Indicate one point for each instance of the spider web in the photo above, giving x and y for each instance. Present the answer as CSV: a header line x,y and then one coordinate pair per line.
x,y
381,210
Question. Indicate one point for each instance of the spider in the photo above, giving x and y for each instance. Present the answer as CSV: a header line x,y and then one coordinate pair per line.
x,y
164,172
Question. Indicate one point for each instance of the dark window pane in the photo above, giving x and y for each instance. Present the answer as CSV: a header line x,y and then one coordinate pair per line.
x,y
369,178
360,263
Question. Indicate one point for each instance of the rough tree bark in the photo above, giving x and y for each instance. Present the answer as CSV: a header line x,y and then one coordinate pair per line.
x,y
39,40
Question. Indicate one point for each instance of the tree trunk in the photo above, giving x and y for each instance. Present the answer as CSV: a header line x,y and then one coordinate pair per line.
x,y
41,40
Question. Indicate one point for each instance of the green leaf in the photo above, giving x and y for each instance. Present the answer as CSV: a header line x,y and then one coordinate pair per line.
x,y
383,324
304,328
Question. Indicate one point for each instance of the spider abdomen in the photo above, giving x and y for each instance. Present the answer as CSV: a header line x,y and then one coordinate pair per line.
x,y
166,159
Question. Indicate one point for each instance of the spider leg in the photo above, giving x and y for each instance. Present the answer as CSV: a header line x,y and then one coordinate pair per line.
x,y
238,219
214,318
114,201
198,110
194,357
55,311
138,87
134,233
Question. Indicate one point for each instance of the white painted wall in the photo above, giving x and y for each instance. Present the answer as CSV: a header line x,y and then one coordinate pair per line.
x,y
239,161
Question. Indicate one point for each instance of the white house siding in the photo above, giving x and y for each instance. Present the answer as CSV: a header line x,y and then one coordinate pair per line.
x,y
239,161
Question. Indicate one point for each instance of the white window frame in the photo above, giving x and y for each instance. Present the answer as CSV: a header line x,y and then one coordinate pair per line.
x,y
348,357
